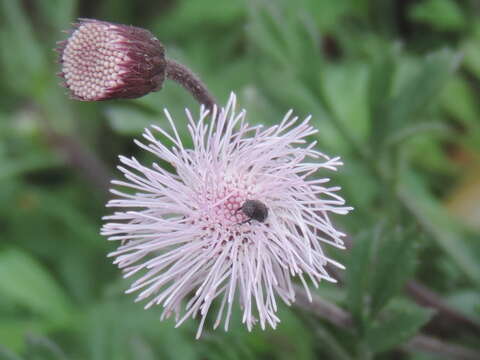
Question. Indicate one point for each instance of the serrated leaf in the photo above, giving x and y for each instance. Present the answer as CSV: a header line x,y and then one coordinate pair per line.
x,y
26,281
395,263
396,328
340,82
381,80
419,91
285,35
358,273
266,35
380,86
298,96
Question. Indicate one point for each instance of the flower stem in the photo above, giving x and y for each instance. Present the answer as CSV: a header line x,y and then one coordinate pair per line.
x,y
185,77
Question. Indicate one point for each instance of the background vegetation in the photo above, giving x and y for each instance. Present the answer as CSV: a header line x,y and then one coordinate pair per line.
x,y
393,87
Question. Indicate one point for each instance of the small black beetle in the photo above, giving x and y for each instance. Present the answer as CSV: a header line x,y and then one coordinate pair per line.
x,y
254,209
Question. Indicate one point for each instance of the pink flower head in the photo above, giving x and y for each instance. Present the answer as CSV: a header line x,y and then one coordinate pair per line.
x,y
102,60
189,240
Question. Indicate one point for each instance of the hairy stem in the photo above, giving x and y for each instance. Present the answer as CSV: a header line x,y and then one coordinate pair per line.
x,y
426,297
185,77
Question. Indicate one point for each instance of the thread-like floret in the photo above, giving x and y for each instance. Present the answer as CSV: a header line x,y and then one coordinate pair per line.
x,y
183,237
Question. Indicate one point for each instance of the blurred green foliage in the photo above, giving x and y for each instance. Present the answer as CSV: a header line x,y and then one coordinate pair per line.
x,y
393,88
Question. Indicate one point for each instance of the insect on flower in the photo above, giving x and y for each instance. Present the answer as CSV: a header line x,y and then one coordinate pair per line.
x,y
255,210
183,238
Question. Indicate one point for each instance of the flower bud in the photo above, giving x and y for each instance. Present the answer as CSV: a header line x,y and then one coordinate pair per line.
x,y
102,60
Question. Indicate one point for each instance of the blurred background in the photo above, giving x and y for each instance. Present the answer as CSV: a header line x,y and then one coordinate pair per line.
x,y
393,87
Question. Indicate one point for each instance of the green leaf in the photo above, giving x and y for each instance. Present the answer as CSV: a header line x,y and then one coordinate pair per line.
x,y
24,63
460,101
27,282
381,80
187,17
414,96
43,348
284,36
358,273
327,14
395,263
472,55
435,220
298,96
341,82
428,153
111,330
380,86
361,187
266,35
290,340
440,14
396,328
331,344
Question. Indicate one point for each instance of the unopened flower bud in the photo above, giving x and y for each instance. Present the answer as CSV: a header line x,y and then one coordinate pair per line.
x,y
102,60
